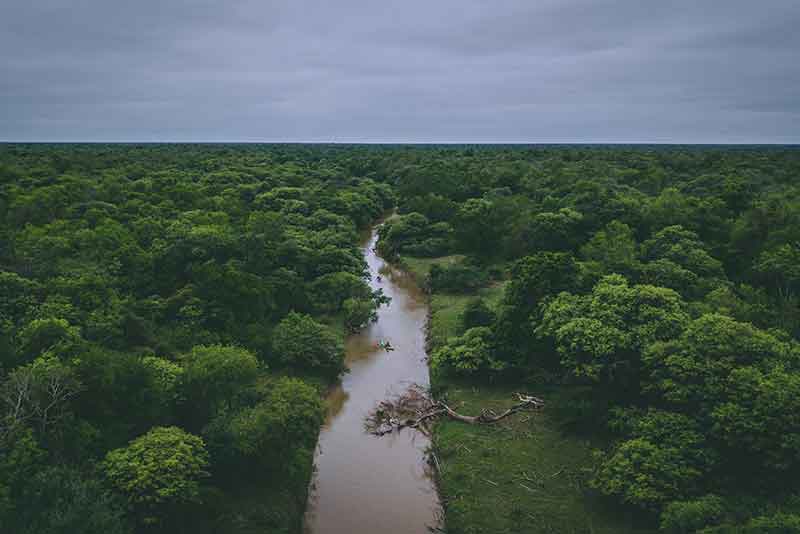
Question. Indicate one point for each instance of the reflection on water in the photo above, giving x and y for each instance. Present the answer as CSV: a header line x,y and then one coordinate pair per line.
x,y
364,483
337,396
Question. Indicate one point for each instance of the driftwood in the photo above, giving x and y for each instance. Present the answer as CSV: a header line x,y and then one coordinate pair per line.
x,y
416,409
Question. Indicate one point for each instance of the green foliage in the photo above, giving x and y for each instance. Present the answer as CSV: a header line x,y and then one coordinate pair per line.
x,y
21,458
358,313
664,459
62,500
478,226
533,278
693,369
41,335
601,336
470,354
110,254
477,313
158,470
165,381
415,235
214,374
288,418
38,394
780,523
686,517
548,231
302,343
330,291
680,261
612,250
760,415
457,278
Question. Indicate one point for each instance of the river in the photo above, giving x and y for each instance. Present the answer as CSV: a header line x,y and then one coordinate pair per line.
x,y
367,484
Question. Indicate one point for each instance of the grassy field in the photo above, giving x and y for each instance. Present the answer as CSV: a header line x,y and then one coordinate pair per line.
x,y
445,307
420,267
447,310
523,475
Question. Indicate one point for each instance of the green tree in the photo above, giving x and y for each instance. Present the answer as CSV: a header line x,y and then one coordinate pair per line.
x,y
302,343
288,418
62,500
41,335
548,231
679,260
601,336
612,250
665,459
685,517
468,355
692,369
478,226
476,313
358,313
534,280
158,471
214,374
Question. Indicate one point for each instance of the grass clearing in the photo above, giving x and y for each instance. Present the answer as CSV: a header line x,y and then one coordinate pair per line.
x,y
522,475
420,267
447,310
446,307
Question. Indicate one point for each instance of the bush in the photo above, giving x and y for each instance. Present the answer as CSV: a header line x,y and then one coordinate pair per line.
x,y
685,517
470,354
358,313
458,278
775,524
476,313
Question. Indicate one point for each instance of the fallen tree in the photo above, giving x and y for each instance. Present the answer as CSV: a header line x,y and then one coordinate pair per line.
x,y
416,409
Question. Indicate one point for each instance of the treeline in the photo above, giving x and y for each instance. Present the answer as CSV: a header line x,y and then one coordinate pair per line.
x,y
659,284
169,316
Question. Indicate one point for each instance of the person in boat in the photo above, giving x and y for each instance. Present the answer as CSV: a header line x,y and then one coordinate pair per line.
x,y
385,345
379,279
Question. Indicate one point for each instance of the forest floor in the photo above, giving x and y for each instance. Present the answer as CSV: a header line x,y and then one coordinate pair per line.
x,y
526,474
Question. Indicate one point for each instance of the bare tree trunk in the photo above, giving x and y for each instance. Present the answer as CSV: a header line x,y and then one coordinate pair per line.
x,y
416,409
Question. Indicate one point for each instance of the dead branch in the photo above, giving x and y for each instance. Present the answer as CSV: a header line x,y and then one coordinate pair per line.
x,y
416,409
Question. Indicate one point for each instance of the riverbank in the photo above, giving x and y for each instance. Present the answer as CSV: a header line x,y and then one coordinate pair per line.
x,y
525,474
365,483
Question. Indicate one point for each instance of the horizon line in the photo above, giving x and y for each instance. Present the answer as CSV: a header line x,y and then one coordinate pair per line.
x,y
401,143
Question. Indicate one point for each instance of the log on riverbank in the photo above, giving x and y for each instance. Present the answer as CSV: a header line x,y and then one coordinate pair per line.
x,y
417,409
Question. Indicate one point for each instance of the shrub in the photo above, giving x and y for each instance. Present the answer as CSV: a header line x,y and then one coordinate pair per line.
x,y
358,313
684,517
470,354
458,278
476,313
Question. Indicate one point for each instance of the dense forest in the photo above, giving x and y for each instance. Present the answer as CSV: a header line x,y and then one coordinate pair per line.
x,y
171,316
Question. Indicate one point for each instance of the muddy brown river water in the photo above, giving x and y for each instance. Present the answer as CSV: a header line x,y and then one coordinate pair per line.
x,y
363,483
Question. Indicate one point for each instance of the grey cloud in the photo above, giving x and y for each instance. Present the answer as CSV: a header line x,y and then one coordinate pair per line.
x,y
443,71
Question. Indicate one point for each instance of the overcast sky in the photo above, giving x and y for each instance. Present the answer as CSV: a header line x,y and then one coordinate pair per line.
x,y
400,70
